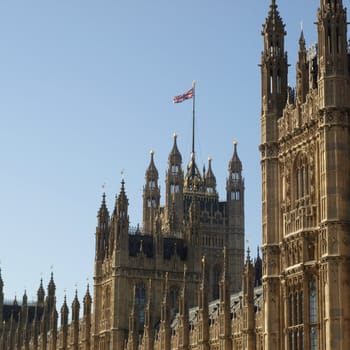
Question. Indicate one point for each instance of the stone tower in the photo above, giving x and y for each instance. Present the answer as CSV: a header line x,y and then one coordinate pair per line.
x,y
274,70
131,264
305,149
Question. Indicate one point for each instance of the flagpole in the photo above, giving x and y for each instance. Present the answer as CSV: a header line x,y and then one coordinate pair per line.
x,y
193,113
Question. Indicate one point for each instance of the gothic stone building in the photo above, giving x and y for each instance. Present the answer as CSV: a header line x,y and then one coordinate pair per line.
x,y
176,283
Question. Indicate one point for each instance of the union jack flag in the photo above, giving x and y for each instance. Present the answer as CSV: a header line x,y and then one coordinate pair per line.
x,y
180,98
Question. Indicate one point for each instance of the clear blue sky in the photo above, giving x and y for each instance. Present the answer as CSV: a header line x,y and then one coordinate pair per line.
x,y
86,91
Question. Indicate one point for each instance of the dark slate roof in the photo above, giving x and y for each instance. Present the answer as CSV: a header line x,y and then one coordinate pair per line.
x,y
141,244
174,246
15,310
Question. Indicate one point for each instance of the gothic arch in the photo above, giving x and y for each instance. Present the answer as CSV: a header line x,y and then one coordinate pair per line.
x,y
301,177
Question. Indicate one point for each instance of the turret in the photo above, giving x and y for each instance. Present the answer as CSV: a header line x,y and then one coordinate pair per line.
x,y
302,72
210,180
121,220
41,294
194,219
274,71
235,191
64,325
174,185
333,71
193,178
248,304
102,231
274,65
87,301
75,323
235,213
258,270
25,320
151,197
51,290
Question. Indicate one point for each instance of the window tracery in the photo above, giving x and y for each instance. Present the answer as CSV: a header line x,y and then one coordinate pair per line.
x,y
302,322
302,181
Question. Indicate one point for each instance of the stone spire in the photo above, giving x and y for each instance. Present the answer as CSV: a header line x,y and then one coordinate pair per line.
x,y
174,186
210,179
102,231
75,323
333,54
274,64
302,71
64,325
151,197
41,294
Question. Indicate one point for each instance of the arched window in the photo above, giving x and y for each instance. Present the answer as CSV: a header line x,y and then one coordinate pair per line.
x,y
174,169
174,188
151,184
235,195
271,82
295,304
329,38
279,83
140,301
235,176
106,306
151,202
301,177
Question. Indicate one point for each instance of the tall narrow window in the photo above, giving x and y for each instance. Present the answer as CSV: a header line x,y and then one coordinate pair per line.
x,y
271,82
174,299
151,184
174,169
235,195
279,83
235,176
329,38
216,281
140,301
277,47
313,314
302,180
338,40
174,188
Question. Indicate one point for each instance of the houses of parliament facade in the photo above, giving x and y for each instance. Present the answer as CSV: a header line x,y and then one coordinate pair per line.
x,y
181,281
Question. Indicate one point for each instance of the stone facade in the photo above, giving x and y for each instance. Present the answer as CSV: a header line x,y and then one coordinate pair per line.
x,y
305,149
180,282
